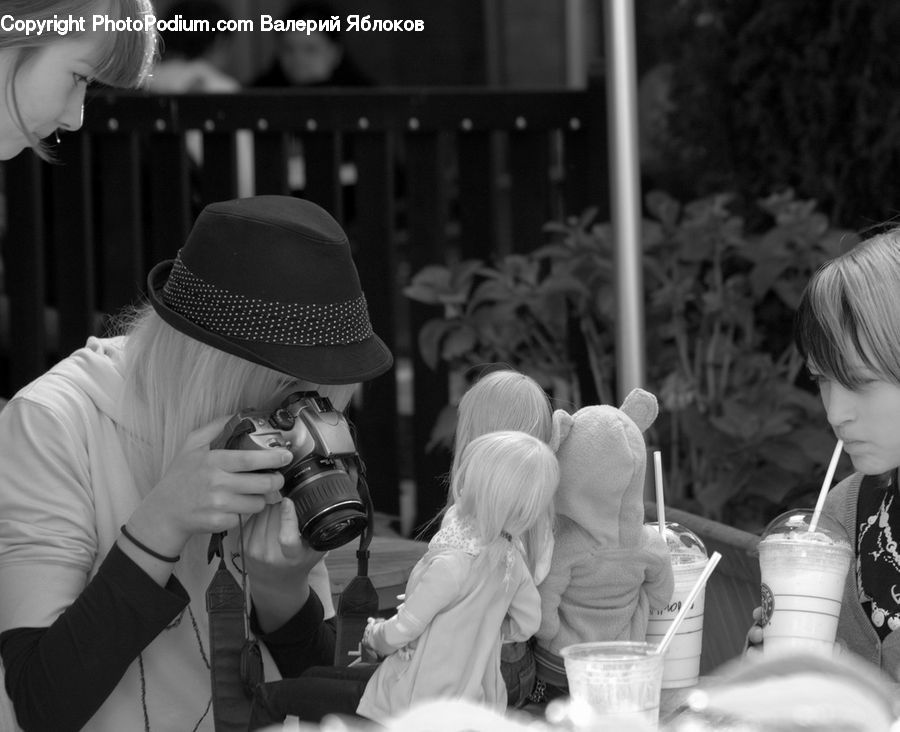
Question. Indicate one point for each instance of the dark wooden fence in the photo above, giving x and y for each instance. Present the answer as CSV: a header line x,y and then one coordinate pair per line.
x,y
413,175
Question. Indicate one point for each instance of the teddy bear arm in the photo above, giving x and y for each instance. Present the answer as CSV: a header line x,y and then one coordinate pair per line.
x,y
551,591
659,581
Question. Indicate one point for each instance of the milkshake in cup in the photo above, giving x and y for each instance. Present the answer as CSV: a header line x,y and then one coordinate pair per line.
x,y
618,680
681,666
802,575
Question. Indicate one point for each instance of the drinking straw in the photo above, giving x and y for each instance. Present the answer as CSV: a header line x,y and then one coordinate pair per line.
x,y
688,601
660,505
826,484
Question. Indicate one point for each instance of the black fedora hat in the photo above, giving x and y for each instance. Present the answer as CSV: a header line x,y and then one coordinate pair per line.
x,y
271,279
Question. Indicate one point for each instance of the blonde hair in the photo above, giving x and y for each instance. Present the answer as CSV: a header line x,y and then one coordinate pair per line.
x,y
126,57
175,384
505,484
501,400
849,312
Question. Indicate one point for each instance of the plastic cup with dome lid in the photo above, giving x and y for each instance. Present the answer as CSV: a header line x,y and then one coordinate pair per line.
x,y
681,665
803,563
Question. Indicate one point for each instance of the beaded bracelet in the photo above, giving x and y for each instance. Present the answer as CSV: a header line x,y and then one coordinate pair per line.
x,y
147,549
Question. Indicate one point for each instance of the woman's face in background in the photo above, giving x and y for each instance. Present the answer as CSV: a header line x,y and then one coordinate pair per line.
x,y
308,58
49,88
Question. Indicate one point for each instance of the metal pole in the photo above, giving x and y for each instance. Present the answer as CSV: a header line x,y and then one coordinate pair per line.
x,y
625,193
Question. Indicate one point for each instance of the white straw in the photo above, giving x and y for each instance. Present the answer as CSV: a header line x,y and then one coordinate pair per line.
x,y
688,601
826,484
660,504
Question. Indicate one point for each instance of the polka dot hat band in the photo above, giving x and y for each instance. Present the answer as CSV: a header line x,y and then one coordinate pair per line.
x,y
271,279
252,319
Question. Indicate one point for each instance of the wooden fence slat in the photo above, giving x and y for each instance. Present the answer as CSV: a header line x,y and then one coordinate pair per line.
x,y
426,231
576,186
173,205
270,157
73,246
347,110
121,224
219,172
529,163
322,168
372,234
477,194
25,281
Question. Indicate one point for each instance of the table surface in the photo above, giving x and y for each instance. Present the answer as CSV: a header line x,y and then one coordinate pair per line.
x,y
391,559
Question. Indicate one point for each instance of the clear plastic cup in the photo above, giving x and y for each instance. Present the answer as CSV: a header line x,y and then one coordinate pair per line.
x,y
802,575
681,665
618,680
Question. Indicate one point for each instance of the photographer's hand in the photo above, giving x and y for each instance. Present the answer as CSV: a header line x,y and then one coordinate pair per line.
x,y
203,491
278,560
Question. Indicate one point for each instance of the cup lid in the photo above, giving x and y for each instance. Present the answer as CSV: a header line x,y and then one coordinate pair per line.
x,y
794,525
685,547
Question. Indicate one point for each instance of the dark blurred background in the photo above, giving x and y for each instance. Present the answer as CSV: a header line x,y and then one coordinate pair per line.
x,y
465,42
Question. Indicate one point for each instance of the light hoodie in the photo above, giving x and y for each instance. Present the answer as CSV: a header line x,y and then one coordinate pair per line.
x,y
608,569
65,489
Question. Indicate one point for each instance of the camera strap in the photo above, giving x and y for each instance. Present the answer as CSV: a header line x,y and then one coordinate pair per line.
x,y
235,659
359,599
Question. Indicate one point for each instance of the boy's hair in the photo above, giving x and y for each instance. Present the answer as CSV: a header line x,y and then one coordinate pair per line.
x,y
175,384
126,57
505,483
849,313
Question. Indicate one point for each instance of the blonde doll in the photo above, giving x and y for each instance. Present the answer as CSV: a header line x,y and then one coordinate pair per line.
x,y
508,400
473,589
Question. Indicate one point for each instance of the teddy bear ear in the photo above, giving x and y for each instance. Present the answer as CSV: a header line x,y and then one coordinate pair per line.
x,y
562,425
641,407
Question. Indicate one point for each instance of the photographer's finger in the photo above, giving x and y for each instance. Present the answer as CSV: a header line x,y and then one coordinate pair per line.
x,y
263,484
248,461
206,434
246,505
289,530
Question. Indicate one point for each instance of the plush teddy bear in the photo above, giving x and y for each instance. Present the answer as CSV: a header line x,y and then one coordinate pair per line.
x,y
608,569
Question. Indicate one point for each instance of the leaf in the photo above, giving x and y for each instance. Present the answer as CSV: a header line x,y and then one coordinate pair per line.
x,y
786,455
463,273
458,342
430,337
663,207
443,432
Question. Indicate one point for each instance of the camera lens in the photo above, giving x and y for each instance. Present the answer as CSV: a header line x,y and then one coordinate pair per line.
x,y
336,529
329,509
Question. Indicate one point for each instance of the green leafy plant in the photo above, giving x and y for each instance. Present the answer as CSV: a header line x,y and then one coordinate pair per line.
x,y
741,431
522,310
766,94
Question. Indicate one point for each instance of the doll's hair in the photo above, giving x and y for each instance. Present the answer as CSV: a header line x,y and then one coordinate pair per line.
x,y
125,59
849,313
505,483
175,384
501,400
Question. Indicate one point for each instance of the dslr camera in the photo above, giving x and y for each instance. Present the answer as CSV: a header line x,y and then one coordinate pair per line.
x,y
318,480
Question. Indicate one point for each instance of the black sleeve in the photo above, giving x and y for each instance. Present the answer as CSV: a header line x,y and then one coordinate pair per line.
x,y
58,677
303,641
